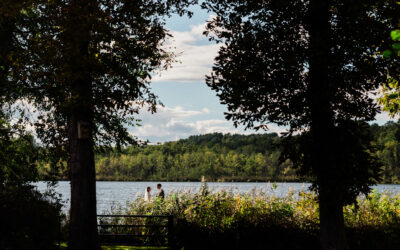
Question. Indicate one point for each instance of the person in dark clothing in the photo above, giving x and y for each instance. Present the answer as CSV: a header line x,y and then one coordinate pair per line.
x,y
160,193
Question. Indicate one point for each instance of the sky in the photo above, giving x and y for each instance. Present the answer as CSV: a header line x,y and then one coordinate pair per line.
x,y
190,106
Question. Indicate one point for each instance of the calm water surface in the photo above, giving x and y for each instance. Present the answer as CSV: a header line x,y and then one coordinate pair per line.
x,y
112,192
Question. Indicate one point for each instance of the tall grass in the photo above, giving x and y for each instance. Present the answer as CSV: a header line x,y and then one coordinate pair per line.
x,y
247,217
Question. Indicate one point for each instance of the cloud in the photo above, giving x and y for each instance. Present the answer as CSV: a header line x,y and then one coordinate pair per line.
x,y
384,117
195,56
170,124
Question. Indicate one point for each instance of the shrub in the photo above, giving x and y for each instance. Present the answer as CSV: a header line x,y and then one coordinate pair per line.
x,y
29,219
224,220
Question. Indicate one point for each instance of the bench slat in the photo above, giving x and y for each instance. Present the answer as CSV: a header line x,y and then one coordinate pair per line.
x,y
123,225
136,235
133,215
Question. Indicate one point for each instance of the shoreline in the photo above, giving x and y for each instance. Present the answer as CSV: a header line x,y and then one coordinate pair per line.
x,y
208,181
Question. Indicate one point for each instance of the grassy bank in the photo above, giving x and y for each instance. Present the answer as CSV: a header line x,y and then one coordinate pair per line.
x,y
258,220
64,246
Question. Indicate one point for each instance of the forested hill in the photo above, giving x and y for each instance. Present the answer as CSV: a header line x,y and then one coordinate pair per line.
x,y
223,143
228,157
215,156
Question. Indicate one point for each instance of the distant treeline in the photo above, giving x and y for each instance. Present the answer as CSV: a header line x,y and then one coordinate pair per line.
x,y
228,157
215,156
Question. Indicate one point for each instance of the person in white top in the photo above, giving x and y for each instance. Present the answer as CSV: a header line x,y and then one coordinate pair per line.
x,y
147,194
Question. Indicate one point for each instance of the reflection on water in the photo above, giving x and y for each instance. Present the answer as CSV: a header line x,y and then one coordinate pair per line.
x,y
112,192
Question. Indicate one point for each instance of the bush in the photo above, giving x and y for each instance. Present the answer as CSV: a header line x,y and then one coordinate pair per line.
x,y
29,219
224,220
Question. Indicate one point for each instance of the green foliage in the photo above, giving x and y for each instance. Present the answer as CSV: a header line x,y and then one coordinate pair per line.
x,y
219,213
18,152
257,157
395,35
387,140
395,50
10,16
389,99
18,156
310,66
357,165
215,156
89,56
29,219
262,70
85,67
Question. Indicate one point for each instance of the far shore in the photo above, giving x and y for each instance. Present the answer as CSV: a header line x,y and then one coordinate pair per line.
x,y
212,180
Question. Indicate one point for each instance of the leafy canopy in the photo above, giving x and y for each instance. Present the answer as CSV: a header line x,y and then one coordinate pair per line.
x,y
18,152
390,98
262,72
123,45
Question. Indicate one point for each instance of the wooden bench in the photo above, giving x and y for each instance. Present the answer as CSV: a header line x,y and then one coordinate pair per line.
x,y
136,230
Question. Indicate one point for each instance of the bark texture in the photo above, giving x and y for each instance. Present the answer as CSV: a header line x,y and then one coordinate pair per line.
x,y
332,235
83,220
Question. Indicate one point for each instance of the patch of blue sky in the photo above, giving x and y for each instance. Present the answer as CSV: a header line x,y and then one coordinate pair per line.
x,y
184,23
188,95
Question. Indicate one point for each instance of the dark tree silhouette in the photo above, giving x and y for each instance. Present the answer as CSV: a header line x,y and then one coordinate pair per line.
x,y
10,17
85,66
18,153
308,65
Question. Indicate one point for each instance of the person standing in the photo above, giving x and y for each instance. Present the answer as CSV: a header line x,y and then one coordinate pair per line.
x,y
147,194
160,193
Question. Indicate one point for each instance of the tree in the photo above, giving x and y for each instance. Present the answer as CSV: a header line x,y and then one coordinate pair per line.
x,y
390,98
387,138
86,67
309,65
18,152
20,229
18,156
8,20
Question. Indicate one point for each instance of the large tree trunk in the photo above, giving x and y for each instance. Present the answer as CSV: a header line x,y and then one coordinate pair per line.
x,y
83,220
332,236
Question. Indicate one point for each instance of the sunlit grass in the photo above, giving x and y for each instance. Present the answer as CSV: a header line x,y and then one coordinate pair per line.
x,y
218,211
131,247
376,216
64,245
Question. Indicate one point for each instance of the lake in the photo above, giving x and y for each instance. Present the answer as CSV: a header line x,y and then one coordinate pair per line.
x,y
113,192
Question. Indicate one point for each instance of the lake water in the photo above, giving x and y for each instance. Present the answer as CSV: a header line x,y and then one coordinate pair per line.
x,y
113,192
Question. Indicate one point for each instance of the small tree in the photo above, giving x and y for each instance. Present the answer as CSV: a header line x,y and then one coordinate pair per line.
x,y
307,65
